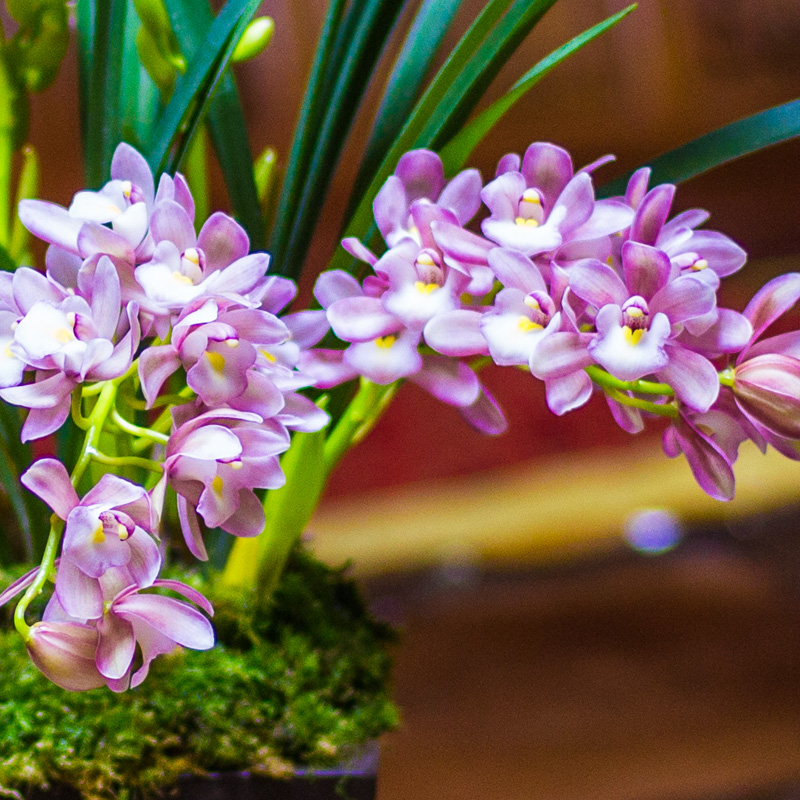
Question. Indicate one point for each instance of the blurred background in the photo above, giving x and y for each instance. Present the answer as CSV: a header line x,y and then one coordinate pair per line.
x,y
578,619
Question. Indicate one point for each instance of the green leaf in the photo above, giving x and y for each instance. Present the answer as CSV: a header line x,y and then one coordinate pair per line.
x,y
191,21
405,82
773,126
194,89
453,93
307,126
14,460
139,97
101,40
459,148
288,509
372,21
7,263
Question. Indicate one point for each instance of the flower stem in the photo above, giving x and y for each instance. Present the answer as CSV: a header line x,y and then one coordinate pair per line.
x,y
136,430
44,573
359,418
96,420
662,409
607,381
125,461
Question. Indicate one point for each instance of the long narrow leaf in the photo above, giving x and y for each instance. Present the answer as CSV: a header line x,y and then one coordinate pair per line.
x,y
14,458
366,46
405,81
453,92
468,88
773,126
193,90
139,99
103,127
458,149
86,13
191,21
307,128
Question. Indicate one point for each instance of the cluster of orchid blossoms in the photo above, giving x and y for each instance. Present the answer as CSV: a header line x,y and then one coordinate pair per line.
x,y
589,295
138,316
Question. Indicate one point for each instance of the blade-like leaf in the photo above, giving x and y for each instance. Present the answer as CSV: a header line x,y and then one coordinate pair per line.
x,y
139,99
365,45
307,128
405,82
85,13
458,149
7,263
191,21
468,88
193,91
773,126
101,80
14,459
453,93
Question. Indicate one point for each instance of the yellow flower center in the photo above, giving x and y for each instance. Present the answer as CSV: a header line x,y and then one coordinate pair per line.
x,y
632,336
216,485
426,288
530,223
526,325
216,360
181,278
385,342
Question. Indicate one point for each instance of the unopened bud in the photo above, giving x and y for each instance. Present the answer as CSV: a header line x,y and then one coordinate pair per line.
x,y
256,37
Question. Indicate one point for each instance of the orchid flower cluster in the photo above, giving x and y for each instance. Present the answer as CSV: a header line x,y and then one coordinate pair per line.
x,y
139,319
589,295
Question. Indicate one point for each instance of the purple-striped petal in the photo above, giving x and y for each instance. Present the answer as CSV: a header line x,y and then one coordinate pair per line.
x,y
773,299
548,168
597,283
646,269
457,333
48,479
450,381
116,646
651,214
190,526
65,653
568,392
359,319
223,240
693,377
172,618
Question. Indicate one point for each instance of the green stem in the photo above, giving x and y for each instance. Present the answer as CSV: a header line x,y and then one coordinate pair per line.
x,y
358,419
663,410
602,378
42,576
97,419
75,410
125,461
7,126
27,188
136,430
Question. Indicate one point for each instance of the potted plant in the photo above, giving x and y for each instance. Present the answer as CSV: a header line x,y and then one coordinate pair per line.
x,y
189,416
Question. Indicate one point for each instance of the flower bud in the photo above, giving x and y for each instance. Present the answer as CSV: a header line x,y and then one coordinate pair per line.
x,y
767,389
256,37
65,653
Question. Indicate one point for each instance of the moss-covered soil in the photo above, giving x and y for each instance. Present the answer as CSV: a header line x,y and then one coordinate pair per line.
x,y
300,683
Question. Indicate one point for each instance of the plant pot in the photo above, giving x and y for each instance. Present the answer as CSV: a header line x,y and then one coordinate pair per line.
x,y
356,780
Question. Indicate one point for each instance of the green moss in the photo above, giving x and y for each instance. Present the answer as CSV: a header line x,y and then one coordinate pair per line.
x,y
299,683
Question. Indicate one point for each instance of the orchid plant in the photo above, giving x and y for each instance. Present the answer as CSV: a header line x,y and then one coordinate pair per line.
x,y
158,347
